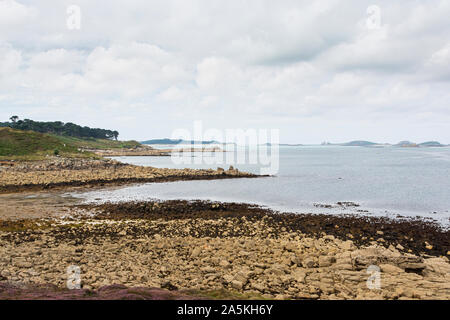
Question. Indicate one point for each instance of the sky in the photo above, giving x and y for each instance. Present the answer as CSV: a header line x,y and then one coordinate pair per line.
x,y
316,70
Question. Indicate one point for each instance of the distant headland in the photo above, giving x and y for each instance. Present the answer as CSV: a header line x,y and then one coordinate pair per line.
x,y
402,144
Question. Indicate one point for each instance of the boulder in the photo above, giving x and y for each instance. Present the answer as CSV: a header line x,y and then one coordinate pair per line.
x,y
238,285
309,263
326,261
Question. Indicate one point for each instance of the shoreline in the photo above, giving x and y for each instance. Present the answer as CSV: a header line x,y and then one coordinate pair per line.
x,y
75,185
411,235
180,249
70,173
148,151
234,248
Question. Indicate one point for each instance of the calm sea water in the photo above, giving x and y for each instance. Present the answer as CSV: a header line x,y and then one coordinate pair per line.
x,y
383,181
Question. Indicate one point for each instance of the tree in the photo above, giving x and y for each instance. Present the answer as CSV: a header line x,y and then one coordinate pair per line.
x,y
60,128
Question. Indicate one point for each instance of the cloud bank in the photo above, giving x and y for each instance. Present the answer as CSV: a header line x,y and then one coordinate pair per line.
x,y
317,71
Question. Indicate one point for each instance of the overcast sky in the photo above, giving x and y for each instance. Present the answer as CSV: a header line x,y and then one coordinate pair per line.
x,y
316,70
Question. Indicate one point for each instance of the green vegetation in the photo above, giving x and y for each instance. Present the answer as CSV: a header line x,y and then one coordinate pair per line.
x,y
23,225
97,143
60,128
30,145
18,144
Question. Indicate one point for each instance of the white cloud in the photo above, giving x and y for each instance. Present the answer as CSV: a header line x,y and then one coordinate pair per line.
x,y
291,64
57,60
172,94
10,60
13,13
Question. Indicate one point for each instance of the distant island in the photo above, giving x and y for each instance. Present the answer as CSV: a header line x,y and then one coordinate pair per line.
x,y
402,144
355,143
359,143
282,144
431,144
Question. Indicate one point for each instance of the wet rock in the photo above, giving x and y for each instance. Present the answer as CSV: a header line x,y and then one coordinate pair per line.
x,y
293,263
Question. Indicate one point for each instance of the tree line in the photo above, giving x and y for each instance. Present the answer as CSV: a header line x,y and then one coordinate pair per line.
x,y
60,128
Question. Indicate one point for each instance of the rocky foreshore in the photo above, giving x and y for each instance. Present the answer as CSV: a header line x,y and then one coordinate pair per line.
x,y
236,250
148,151
129,152
64,172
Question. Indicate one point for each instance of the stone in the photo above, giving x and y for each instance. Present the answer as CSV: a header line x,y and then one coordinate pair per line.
x,y
438,266
258,286
196,252
242,276
228,278
411,263
238,285
326,261
388,268
327,288
208,269
309,263
299,276
249,262
23,264
224,263
296,260
348,245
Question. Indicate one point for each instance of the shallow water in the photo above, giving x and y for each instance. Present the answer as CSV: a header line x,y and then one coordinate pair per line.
x,y
383,181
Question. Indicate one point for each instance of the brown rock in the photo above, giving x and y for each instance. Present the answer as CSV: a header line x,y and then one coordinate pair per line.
x,y
326,261
238,285
309,263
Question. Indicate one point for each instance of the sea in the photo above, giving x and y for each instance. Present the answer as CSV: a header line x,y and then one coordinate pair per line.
x,y
376,181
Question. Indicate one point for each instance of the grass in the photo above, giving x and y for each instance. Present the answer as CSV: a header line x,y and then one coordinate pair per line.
x,y
23,225
97,143
30,145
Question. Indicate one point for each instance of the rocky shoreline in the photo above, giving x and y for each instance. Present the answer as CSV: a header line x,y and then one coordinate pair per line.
x,y
66,173
235,249
147,151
